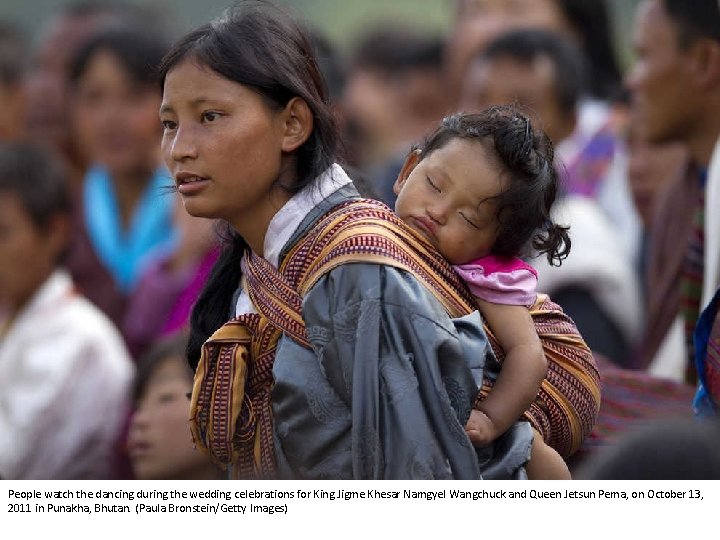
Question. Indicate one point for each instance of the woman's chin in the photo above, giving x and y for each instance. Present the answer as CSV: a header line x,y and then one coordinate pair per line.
x,y
196,209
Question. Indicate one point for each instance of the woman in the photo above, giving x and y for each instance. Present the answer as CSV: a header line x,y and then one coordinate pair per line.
x,y
125,212
331,366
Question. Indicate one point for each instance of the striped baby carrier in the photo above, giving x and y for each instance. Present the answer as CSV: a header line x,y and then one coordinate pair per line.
x,y
231,412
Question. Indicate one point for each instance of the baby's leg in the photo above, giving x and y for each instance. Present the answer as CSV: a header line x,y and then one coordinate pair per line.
x,y
545,463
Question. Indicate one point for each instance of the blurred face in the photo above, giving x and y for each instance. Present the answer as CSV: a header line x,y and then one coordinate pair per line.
x,y
12,112
116,117
370,101
27,254
223,145
445,198
159,441
662,100
504,14
507,81
480,21
650,168
47,84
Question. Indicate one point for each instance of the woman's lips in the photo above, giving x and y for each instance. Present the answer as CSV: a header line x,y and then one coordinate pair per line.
x,y
190,184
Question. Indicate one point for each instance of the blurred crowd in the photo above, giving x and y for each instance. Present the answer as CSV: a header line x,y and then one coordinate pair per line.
x,y
100,264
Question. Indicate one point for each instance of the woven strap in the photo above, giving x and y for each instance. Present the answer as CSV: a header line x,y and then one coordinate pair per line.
x,y
568,402
712,361
231,405
231,415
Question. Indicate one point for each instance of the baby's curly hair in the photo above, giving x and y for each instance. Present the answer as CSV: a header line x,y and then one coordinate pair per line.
x,y
526,157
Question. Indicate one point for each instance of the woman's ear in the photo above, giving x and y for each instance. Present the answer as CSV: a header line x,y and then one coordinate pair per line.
x,y
298,124
410,163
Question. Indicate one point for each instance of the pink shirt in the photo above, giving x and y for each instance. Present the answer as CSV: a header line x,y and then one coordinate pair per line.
x,y
500,280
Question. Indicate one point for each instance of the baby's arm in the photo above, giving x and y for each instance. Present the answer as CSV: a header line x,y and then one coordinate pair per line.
x,y
519,379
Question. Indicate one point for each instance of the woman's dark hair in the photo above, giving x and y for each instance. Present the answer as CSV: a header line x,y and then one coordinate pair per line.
x,y
138,50
591,21
168,347
37,179
526,158
261,47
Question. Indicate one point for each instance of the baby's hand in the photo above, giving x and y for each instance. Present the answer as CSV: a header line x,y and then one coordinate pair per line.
x,y
480,429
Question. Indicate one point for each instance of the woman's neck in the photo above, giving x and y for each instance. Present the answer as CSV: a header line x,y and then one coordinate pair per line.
x,y
253,224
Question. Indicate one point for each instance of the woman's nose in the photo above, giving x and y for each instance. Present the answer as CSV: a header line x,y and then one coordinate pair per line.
x,y
183,146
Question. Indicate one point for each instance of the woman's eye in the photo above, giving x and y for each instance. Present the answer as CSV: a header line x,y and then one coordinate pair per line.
x,y
168,125
210,116
432,184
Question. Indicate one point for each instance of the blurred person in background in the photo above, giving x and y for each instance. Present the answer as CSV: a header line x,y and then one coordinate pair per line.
x,y
597,285
124,208
651,168
48,86
159,441
586,22
675,87
64,372
394,94
170,282
663,450
13,99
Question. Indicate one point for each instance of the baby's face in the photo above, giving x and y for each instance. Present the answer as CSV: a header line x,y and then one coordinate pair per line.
x,y
448,198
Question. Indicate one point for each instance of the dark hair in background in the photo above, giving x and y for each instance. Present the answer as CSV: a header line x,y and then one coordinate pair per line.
x,y
526,156
169,347
259,46
37,179
591,20
394,50
666,450
138,50
694,19
13,54
527,45
330,64
149,15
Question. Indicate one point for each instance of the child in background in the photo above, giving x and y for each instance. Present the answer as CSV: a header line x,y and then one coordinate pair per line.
x,y
480,191
159,441
64,372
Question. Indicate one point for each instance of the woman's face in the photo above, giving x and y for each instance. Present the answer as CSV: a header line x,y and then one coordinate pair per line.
x,y
116,117
159,441
223,145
